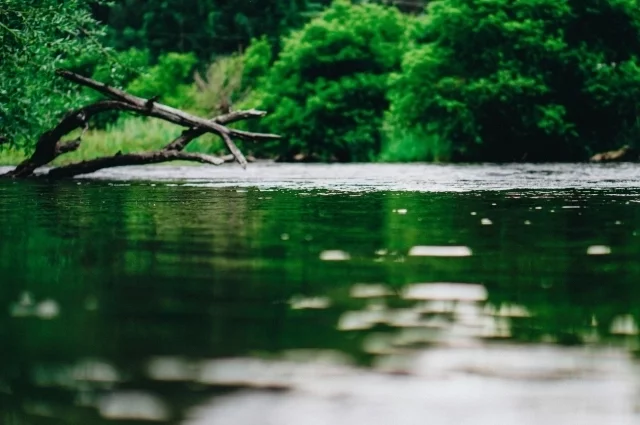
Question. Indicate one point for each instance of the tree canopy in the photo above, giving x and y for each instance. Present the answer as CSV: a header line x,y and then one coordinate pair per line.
x,y
205,27
476,80
523,80
327,89
36,37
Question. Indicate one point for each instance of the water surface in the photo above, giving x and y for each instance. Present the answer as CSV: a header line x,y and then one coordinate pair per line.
x,y
289,294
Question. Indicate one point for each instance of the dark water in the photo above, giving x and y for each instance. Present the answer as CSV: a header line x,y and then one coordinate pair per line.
x,y
322,295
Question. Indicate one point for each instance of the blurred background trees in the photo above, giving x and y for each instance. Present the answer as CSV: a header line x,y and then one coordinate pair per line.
x,y
394,80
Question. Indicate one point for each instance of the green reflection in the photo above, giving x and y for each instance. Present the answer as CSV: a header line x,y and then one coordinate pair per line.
x,y
140,270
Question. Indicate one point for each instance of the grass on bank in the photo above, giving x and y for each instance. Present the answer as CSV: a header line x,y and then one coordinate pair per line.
x,y
129,135
404,145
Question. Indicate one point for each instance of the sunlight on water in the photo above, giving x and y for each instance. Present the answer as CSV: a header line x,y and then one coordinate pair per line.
x,y
439,251
133,405
446,291
334,255
598,250
371,290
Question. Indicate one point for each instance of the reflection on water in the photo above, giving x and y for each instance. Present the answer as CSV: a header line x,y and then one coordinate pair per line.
x,y
174,302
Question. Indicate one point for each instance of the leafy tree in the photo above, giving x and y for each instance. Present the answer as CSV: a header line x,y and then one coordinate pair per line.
x,y
327,89
204,27
36,37
523,79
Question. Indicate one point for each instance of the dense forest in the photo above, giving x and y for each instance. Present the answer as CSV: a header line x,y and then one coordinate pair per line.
x,y
404,80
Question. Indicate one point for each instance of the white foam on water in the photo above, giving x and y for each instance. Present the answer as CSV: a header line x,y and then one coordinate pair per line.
x,y
443,291
440,251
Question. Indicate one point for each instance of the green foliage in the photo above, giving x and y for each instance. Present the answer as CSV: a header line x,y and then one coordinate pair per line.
x,y
125,67
36,37
526,79
221,86
205,27
167,79
256,61
327,90
414,144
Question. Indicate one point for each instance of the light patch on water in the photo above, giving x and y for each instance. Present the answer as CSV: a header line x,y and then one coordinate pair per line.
x,y
486,222
379,343
395,363
47,309
507,310
360,320
495,327
527,223
445,291
403,318
94,370
360,178
284,236
133,406
170,369
23,307
26,307
370,290
468,312
249,372
415,336
624,325
305,303
266,374
435,306
316,356
599,250
91,303
401,211
440,251
334,255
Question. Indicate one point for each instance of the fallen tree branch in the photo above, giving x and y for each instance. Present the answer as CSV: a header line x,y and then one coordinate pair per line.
x,y
92,165
173,115
188,135
66,147
50,144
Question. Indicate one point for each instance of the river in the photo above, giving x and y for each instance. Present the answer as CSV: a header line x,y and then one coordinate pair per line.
x,y
322,294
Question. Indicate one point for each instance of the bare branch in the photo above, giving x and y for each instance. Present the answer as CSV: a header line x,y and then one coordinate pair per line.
x,y
188,135
234,116
92,165
247,135
234,150
66,147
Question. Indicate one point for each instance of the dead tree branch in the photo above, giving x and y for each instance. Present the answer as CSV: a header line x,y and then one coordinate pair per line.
x,y
93,165
50,145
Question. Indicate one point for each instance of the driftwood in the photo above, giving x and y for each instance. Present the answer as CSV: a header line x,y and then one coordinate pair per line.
x,y
50,144
624,154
